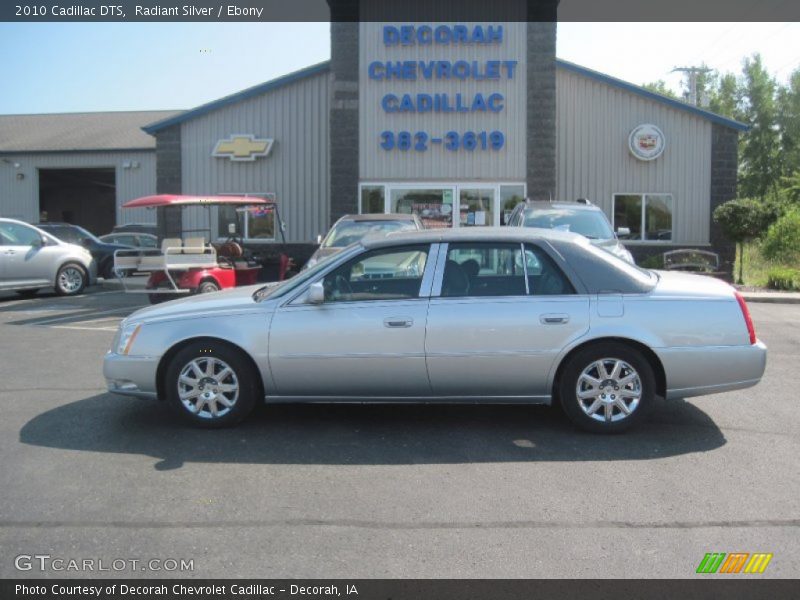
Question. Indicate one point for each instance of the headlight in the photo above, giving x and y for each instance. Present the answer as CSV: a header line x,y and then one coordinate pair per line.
x,y
127,336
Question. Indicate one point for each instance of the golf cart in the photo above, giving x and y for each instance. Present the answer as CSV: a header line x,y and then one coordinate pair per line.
x,y
191,265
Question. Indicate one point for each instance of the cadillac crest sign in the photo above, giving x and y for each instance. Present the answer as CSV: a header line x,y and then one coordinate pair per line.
x,y
646,142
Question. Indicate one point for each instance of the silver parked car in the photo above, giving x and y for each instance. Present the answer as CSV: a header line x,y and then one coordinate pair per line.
x,y
351,228
31,259
580,216
469,315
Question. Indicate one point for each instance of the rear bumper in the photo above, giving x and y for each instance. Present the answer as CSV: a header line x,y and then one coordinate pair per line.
x,y
712,369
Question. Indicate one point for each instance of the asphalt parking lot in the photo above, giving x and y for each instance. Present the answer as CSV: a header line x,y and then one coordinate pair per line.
x,y
382,491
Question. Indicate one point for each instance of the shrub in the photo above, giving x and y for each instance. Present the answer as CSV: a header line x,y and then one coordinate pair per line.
x,y
783,278
782,242
656,261
744,219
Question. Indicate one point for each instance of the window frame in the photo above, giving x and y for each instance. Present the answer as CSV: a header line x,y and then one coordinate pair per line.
x,y
643,221
424,280
246,221
444,250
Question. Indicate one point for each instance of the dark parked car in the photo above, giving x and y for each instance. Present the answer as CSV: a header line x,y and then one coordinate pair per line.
x,y
102,252
149,228
137,240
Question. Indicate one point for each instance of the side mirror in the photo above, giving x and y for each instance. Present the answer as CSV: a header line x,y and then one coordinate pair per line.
x,y
319,239
623,230
39,242
316,293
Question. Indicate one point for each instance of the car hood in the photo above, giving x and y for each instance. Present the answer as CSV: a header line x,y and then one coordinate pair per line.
x,y
679,283
234,300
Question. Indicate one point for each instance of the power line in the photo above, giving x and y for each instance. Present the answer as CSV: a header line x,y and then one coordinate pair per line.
x,y
692,73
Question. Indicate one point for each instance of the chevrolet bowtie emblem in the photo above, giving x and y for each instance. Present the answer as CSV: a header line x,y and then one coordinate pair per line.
x,y
243,147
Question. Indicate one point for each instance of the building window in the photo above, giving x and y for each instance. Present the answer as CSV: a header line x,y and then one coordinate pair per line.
x,y
510,196
252,223
373,199
444,204
646,217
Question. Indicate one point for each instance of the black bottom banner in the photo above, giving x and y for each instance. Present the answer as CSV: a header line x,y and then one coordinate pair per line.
x,y
396,589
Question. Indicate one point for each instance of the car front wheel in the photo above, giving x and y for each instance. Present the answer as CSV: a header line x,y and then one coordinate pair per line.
x,y
607,388
209,384
70,280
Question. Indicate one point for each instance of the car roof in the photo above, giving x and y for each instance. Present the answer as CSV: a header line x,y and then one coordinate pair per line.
x,y
472,234
379,217
544,204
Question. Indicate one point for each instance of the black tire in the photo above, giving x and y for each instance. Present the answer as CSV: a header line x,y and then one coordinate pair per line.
x,y
76,275
631,361
208,286
243,376
27,293
106,270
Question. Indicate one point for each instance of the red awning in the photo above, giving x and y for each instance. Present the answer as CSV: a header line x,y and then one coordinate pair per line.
x,y
178,200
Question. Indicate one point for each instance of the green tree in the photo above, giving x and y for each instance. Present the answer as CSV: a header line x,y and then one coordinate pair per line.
x,y
743,220
759,167
725,97
789,123
660,87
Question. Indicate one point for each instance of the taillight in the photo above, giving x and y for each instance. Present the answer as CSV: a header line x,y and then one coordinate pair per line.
x,y
747,318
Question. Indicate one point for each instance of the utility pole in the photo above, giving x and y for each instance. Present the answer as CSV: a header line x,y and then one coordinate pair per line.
x,y
692,73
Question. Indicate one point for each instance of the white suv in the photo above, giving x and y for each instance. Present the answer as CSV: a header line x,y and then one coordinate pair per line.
x,y
31,259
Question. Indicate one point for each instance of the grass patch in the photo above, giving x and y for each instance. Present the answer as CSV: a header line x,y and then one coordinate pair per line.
x,y
760,272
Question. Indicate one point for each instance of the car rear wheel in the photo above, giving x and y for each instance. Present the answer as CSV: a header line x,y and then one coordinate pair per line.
x,y
210,384
607,388
70,280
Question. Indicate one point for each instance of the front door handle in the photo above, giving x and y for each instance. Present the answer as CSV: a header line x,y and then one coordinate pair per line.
x,y
398,322
554,319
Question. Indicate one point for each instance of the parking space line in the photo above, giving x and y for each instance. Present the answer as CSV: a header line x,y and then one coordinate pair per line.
x,y
77,317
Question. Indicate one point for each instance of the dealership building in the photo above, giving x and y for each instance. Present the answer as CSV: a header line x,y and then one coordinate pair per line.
x,y
454,121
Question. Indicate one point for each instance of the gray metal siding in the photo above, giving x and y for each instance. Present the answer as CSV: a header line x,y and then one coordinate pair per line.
x,y
19,199
438,163
296,117
593,122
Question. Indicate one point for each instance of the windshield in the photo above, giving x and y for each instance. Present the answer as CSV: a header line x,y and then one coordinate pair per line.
x,y
588,223
349,232
273,291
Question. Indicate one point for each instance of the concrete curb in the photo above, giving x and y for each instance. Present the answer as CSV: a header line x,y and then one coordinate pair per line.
x,y
788,298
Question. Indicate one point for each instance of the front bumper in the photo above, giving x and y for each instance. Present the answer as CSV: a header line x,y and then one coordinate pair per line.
x,y
131,375
711,370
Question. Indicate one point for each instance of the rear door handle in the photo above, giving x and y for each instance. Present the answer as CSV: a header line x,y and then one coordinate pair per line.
x,y
398,322
554,319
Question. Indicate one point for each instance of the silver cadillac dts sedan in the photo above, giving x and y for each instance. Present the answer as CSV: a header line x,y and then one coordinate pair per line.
x,y
466,315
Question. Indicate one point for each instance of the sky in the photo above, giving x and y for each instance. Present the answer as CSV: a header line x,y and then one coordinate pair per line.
x,y
82,67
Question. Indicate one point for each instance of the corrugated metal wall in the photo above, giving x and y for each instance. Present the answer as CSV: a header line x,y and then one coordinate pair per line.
x,y
19,199
438,163
296,117
594,121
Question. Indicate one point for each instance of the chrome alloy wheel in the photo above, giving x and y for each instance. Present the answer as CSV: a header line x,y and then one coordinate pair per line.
x,y
70,280
609,390
208,387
